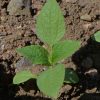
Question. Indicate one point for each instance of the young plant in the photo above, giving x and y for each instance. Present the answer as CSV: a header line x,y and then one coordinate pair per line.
x,y
50,29
97,36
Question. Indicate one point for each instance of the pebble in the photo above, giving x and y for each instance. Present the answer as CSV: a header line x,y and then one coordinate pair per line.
x,y
3,19
20,92
92,72
82,3
31,92
71,1
86,17
15,6
93,90
87,26
22,64
2,47
66,88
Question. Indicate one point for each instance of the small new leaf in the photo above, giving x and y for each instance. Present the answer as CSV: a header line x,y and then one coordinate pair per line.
x,y
64,49
23,76
50,81
50,23
71,76
35,53
97,36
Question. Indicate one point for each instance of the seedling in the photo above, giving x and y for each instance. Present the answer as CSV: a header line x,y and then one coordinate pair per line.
x,y
97,36
50,29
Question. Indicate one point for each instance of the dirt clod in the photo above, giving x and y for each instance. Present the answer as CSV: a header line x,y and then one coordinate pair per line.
x,y
86,17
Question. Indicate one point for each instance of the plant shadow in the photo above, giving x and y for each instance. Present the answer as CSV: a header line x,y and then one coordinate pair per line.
x,y
90,96
89,76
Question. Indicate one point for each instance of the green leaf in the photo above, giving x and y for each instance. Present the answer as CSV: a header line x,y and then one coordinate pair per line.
x,y
35,53
50,23
50,81
97,36
23,76
71,76
64,49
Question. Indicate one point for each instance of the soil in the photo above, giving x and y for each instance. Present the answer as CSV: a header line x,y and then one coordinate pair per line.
x,y
82,18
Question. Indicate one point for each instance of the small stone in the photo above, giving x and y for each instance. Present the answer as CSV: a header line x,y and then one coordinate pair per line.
x,y
71,1
22,64
31,92
83,3
93,90
87,26
66,88
2,47
3,18
21,92
92,72
87,63
86,17
15,7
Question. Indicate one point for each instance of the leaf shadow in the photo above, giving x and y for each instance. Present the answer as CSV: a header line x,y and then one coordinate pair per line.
x,y
90,80
90,96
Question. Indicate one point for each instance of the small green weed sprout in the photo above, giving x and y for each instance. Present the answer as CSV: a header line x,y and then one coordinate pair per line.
x,y
96,36
50,29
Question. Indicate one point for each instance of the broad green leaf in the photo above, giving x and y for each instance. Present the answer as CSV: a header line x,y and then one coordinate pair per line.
x,y
71,76
50,23
23,76
97,36
50,81
64,49
35,53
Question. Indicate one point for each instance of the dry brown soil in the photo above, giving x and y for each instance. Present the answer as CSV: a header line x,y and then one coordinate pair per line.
x,y
82,18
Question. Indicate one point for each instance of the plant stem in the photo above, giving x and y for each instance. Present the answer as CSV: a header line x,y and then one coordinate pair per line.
x,y
49,48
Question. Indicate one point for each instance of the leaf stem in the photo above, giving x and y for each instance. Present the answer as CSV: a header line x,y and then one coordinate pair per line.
x,y
49,48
